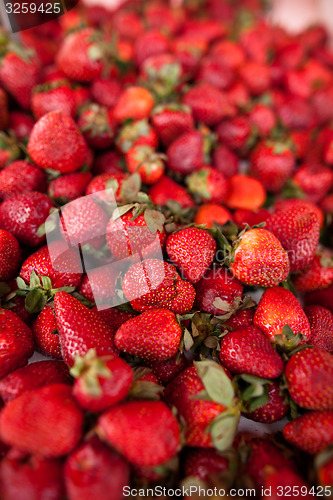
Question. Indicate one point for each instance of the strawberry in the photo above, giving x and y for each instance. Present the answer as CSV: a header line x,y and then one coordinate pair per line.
x,y
311,432
245,193
68,187
274,410
211,420
21,177
192,250
135,103
225,161
149,43
45,333
30,477
208,104
145,432
101,382
31,377
248,350
325,469
215,72
166,371
321,324
273,164
256,77
217,282
87,472
3,110
97,125
80,329
240,318
45,421
204,463
10,255
171,121
277,308
235,133
282,479
212,213
250,217
165,190
80,56
54,96
137,133
322,298
20,124
24,214
108,162
314,180
56,143
105,91
207,184
263,117
104,182
230,52
114,318
259,259
298,231
17,341
283,204
146,162
151,343
185,153
307,372
317,276
99,285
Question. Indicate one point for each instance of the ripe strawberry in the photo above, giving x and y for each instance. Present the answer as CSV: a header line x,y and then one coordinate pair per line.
x,y
235,133
145,432
80,56
273,164
21,177
274,410
321,324
312,432
212,213
297,229
225,161
114,317
17,341
20,124
314,180
146,162
99,285
325,470
282,479
80,329
135,103
24,214
104,182
108,162
97,125
250,217
30,477
256,77
209,105
276,309
284,204
248,350
3,110
150,43
208,184
10,255
54,96
105,91
56,143
87,472
165,189
259,259
307,372
38,374
215,72
192,250
165,371
45,421
230,52
245,193
204,463
317,276
171,121
45,333
211,420
241,318
264,118
141,337
185,153
68,187
101,382
322,298
137,133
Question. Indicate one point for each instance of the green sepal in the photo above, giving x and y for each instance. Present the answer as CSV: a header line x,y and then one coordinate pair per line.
x,y
223,429
217,384
35,301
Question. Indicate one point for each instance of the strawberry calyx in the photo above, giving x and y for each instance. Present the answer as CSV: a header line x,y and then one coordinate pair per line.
x,y
162,81
197,184
144,389
253,391
172,106
96,120
9,144
131,132
55,84
88,368
288,341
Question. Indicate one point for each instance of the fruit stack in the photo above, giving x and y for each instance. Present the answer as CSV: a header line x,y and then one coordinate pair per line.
x,y
186,152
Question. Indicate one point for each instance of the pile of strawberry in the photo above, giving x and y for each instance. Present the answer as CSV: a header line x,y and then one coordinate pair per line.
x,y
213,131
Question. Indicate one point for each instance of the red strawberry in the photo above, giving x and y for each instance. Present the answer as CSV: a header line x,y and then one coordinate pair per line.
x,y
241,318
321,324
135,103
325,470
282,479
20,124
171,121
101,382
154,335
298,231
235,133
250,217
114,317
312,432
207,184
248,350
99,285
314,180
68,187
21,177
33,376
30,477
105,91
146,162
45,333
10,255
204,463
56,143
209,105
87,472
54,96
225,161
274,410
145,432
210,214
24,214
307,373
97,125
285,203
149,43
104,182
165,190
108,162
276,309
3,110
322,298
80,56
317,276
45,421
263,117
256,77
215,72
259,259
16,340
137,133
273,164
192,250
166,371
185,153
230,52
211,419
80,329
